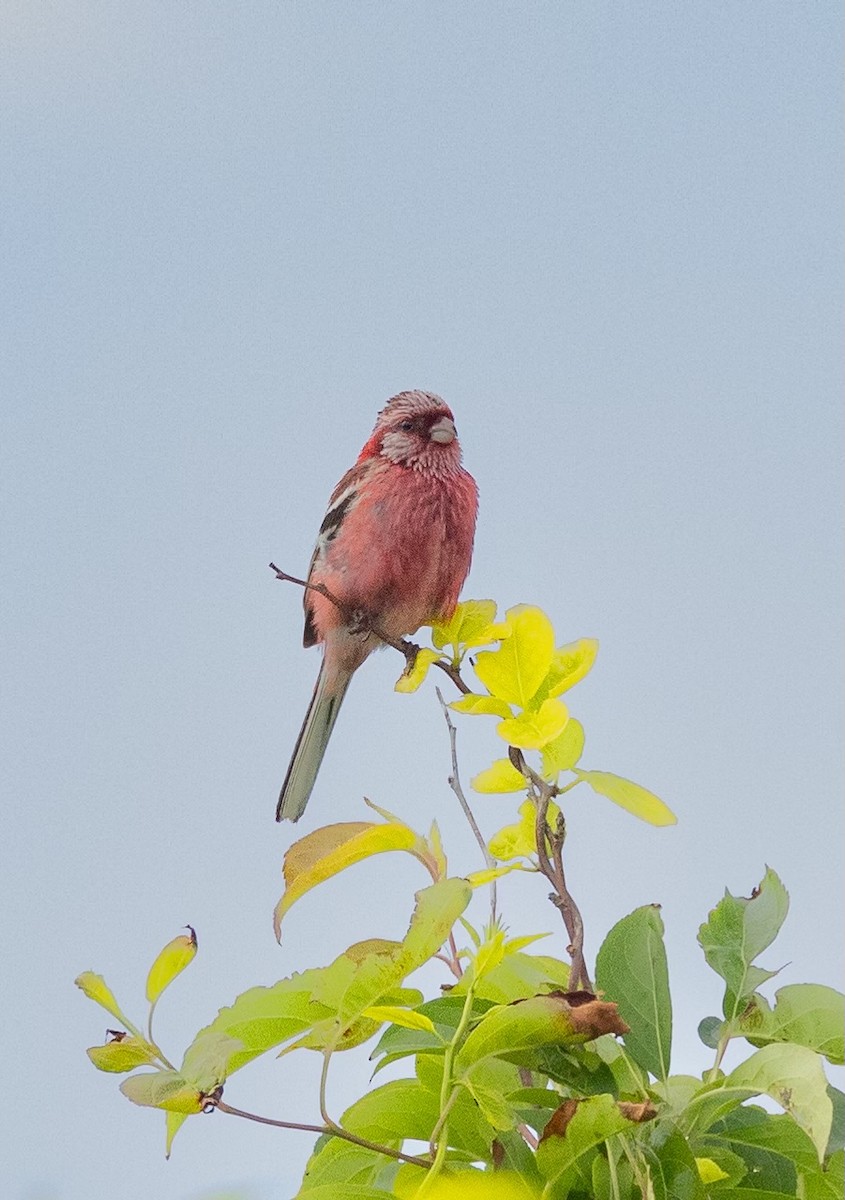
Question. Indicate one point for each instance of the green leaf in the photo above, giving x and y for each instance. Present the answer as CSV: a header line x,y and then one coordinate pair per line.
x,y
170,962
488,955
163,1089
827,1184
581,1070
673,1169
495,1108
794,1078
521,1167
519,976
468,1129
736,932
564,751
699,1106
808,1014
710,1031
710,1171
206,1061
631,969
836,1141
546,1020
405,1017
444,1013
502,776
96,989
406,1108
173,1122
515,671
732,1167
743,1193
122,1054
750,1131
335,1162
535,729
596,1119
630,796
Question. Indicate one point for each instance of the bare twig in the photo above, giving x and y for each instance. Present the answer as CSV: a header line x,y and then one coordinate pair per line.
x,y
331,1128
455,785
452,961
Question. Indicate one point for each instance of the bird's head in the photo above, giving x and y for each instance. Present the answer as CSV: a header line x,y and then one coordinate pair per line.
x,y
416,430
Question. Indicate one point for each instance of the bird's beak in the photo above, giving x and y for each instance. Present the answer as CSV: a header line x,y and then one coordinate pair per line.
x,y
443,431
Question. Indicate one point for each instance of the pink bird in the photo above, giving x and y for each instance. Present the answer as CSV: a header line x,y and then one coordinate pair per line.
x,y
394,547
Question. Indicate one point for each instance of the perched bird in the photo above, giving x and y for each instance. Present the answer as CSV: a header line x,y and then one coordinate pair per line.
x,y
394,548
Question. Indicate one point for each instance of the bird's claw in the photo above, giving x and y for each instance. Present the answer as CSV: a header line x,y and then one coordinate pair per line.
x,y
360,622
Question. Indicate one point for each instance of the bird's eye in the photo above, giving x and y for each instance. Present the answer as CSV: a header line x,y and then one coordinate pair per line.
x,y
407,426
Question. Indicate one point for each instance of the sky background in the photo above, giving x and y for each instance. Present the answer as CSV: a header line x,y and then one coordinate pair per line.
x,y
608,234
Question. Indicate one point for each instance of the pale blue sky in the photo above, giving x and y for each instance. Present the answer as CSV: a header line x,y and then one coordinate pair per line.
x,y
608,234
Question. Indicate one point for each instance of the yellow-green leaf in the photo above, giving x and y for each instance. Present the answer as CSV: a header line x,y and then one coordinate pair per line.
x,y
709,1171
411,679
476,706
331,849
437,853
405,1017
121,1054
514,672
630,796
173,1123
489,954
533,730
96,989
473,623
570,664
527,939
519,840
163,1089
480,878
170,962
564,751
501,777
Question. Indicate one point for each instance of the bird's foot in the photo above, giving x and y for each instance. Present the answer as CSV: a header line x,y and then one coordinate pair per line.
x,y
360,622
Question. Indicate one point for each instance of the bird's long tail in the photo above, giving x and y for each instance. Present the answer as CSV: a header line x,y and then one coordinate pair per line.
x,y
311,744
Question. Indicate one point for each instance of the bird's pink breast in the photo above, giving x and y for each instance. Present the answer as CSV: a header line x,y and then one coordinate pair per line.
x,y
403,551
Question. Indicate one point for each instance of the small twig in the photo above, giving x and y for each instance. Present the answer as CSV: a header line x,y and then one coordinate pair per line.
x,y
550,861
339,1131
223,1107
452,963
331,1128
327,1129
362,623
454,674
455,785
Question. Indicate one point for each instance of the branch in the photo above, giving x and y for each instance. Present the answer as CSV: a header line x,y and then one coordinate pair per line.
x,y
362,622
212,1102
550,860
